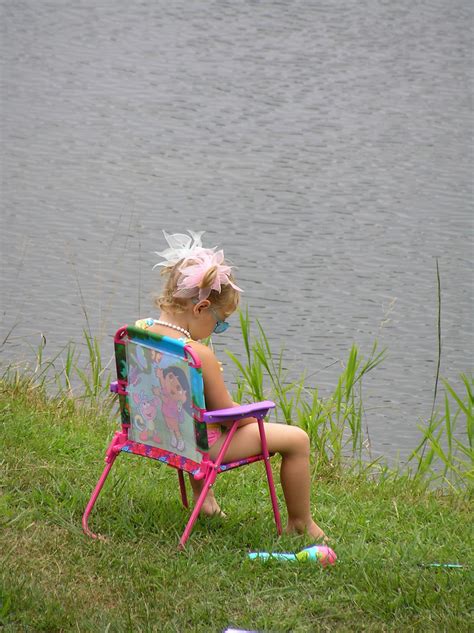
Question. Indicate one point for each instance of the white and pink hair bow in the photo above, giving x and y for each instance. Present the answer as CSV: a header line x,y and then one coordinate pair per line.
x,y
196,262
180,247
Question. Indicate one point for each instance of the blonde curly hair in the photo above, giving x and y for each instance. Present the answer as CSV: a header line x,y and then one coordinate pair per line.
x,y
227,300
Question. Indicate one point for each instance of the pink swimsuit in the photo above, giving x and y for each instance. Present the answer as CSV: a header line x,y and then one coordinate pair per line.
x,y
214,431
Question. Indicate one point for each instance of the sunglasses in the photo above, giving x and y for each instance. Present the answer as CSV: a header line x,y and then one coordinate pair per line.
x,y
221,326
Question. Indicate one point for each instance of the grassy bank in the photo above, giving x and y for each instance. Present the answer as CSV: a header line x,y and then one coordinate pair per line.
x,y
54,579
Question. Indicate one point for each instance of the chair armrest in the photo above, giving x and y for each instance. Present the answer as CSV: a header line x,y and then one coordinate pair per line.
x,y
255,410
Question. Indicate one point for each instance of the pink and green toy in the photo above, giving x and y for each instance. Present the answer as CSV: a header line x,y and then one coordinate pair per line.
x,y
316,553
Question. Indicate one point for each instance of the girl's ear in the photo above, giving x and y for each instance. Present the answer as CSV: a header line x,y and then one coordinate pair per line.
x,y
199,307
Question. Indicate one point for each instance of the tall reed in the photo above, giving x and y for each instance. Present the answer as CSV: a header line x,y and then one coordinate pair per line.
x,y
441,455
333,423
446,451
66,374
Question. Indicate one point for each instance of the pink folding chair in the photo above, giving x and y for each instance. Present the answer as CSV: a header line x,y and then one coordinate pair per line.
x,y
163,416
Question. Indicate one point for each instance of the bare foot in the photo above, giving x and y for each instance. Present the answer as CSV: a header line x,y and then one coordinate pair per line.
x,y
310,528
210,507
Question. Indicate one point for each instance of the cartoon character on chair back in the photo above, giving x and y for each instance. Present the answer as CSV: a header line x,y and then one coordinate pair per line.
x,y
144,422
174,394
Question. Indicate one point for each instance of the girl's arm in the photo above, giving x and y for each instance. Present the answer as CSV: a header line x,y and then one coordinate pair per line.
x,y
215,390
245,421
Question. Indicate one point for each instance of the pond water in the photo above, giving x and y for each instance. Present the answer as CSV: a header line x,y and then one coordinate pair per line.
x,y
326,146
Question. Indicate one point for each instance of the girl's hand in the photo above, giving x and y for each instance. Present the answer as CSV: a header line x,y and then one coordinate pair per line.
x,y
245,421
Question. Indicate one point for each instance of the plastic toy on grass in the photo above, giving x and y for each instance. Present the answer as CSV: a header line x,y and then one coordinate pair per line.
x,y
318,553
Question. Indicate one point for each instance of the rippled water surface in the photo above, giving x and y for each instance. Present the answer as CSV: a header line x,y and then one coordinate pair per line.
x,y
327,146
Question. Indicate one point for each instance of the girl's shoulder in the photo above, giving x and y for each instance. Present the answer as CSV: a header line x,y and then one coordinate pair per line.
x,y
211,366
204,352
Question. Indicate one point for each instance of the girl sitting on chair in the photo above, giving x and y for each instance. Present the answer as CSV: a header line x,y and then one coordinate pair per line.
x,y
198,296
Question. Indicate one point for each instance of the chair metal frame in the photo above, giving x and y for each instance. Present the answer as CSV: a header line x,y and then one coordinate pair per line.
x,y
207,469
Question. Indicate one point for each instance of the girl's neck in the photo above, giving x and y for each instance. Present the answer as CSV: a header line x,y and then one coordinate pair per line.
x,y
172,329
175,319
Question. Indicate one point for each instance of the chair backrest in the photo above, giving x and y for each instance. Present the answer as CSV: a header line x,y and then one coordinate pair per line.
x,y
161,397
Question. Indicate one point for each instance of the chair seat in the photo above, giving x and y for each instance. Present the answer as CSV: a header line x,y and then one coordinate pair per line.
x,y
179,462
171,459
240,462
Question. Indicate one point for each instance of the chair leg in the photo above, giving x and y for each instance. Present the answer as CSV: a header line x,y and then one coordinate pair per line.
x,y
182,487
271,485
210,479
95,494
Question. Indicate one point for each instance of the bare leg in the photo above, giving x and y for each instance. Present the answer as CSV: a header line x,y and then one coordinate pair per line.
x,y
210,506
293,445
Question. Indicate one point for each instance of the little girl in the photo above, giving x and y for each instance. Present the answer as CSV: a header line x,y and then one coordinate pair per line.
x,y
198,296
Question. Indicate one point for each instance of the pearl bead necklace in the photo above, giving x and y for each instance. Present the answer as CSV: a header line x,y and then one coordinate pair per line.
x,y
173,327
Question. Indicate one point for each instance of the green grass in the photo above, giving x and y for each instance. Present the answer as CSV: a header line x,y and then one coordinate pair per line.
x,y
55,579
